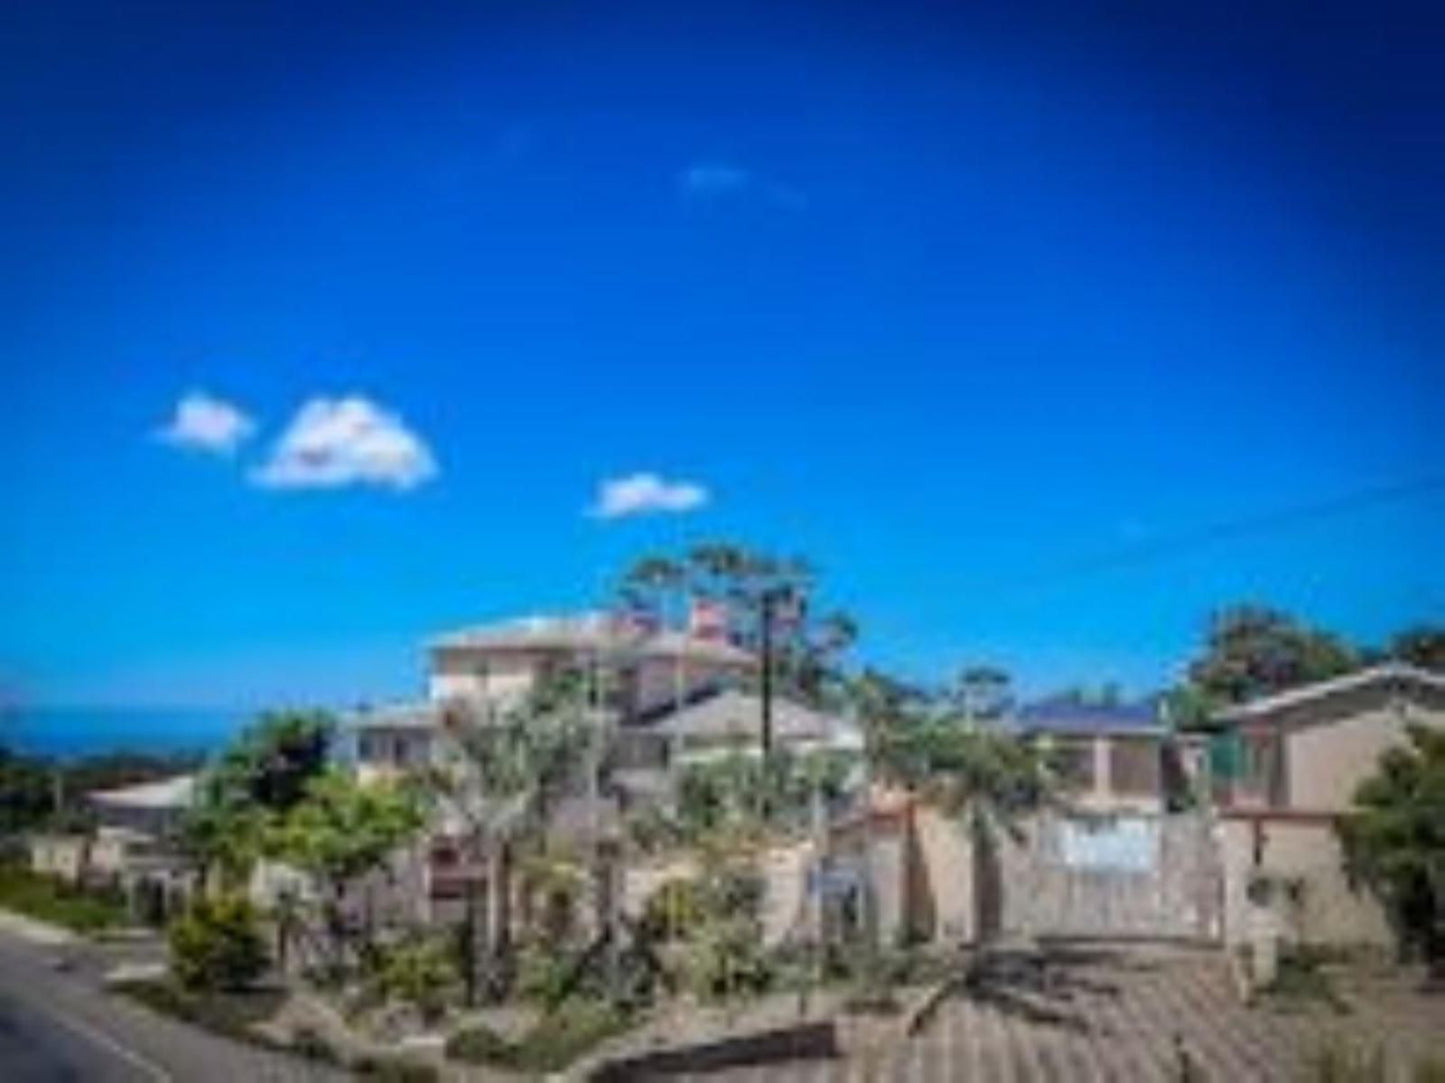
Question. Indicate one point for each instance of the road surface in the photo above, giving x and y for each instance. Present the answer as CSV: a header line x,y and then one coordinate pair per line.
x,y
62,1027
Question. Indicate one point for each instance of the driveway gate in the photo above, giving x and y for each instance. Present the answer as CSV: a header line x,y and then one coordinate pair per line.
x,y
1120,876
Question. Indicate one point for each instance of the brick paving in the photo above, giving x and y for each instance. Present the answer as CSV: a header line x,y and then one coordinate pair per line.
x,y
1130,1015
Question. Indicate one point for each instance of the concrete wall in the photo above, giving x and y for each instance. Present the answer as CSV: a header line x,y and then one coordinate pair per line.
x,y
1307,852
946,865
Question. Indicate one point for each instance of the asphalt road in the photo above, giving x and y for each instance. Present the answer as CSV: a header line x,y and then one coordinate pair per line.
x,y
36,1046
62,1027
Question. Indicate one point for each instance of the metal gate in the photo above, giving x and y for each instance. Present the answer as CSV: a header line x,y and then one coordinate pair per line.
x,y
1123,876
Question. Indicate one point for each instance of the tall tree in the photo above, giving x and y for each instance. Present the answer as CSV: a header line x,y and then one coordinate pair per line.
x,y
1422,645
511,773
1394,841
258,780
806,645
982,692
342,830
1253,651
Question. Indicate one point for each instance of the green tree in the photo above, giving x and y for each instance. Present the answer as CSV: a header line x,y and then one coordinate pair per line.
x,y
982,692
1422,645
341,831
1394,842
807,645
255,783
1253,651
510,775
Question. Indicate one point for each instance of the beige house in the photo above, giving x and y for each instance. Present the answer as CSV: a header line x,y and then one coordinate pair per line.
x,y
1286,766
132,847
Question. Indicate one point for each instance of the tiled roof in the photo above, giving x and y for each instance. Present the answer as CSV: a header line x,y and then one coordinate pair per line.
x,y
590,632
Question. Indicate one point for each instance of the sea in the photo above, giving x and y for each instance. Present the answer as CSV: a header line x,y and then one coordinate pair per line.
x,y
69,733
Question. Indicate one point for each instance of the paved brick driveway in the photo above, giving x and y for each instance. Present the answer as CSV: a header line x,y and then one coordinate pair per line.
x,y
1123,1014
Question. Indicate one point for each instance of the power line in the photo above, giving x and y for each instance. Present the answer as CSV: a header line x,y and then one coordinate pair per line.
x,y
1233,529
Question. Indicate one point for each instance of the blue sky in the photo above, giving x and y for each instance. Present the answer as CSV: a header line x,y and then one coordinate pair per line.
x,y
956,299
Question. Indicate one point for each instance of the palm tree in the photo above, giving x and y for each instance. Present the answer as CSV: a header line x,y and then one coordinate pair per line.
x,y
976,772
510,773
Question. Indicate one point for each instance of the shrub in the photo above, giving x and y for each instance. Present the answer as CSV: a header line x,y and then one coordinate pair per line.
x,y
395,1070
567,1033
479,1044
231,1014
674,910
312,1044
420,972
557,1040
217,944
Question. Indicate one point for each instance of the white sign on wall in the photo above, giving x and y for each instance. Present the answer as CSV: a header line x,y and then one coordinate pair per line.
x,y
1123,844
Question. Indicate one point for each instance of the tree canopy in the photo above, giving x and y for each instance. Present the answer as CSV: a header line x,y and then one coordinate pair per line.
x,y
1394,841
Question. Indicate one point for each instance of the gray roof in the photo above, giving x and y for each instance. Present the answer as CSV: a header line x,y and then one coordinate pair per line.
x,y
589,633
419,715
739,714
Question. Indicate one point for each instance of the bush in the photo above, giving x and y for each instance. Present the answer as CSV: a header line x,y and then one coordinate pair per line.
x,y
479,1044
217,944
312,1044
231,1014
420,972
674,910
395,1070
557,1040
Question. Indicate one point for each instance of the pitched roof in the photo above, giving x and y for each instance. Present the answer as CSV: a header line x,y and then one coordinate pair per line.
x,y
1067,715
419,715
168,793
731,713
1386,672
588,633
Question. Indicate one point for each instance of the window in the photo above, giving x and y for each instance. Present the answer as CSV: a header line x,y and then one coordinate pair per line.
x,y
1134,766
1075,760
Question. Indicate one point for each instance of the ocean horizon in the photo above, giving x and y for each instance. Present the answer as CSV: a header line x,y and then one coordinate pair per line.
x,y
69,733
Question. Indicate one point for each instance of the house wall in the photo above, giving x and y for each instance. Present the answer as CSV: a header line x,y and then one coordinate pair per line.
x,y
1103,786
61,856
1327,760
479,673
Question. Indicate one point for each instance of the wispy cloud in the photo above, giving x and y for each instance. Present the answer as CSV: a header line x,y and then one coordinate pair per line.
x,y
202,422
333,443
716,181
646,494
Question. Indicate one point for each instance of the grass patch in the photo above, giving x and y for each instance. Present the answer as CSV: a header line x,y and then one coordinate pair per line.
x,y
1301,980
232,1015
48,899
556,1041
1343,1062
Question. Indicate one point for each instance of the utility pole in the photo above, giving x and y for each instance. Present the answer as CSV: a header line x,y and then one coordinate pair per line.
x,y
769,599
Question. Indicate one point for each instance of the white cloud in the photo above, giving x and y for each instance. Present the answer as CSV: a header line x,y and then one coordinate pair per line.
x,y
332,443
645,494
203,422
